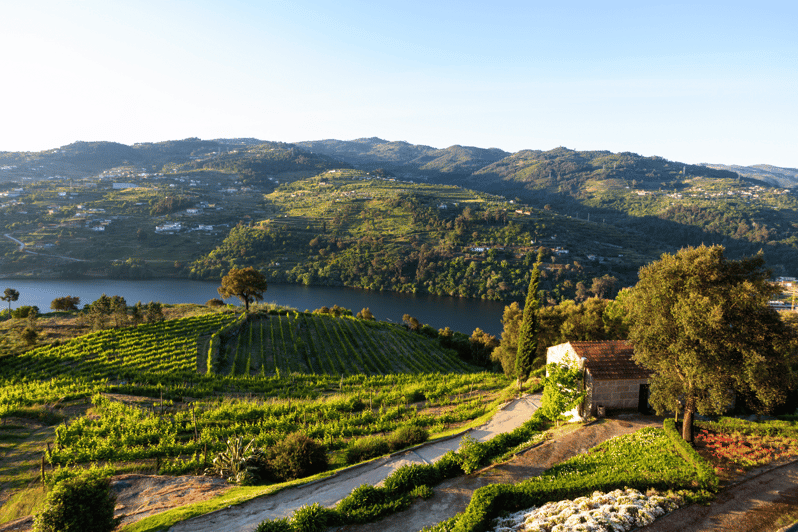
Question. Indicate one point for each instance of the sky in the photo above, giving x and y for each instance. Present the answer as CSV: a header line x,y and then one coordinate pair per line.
x,y
693,81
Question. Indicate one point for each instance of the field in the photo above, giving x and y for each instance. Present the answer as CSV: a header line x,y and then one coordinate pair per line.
x,y
281,344
142,399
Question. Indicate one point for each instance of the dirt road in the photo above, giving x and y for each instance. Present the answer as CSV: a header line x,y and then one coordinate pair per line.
x,y
754,505
328,491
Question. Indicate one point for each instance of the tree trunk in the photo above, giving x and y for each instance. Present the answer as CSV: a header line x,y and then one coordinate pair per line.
x,y
687,425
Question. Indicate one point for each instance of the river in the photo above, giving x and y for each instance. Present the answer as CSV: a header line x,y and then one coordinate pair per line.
x,y
460,314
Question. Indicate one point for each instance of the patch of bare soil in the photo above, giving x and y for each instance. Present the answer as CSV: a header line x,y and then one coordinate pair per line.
x,y
139,496
452,497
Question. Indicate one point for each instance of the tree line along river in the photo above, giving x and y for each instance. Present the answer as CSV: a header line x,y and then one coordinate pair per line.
x,y
460,314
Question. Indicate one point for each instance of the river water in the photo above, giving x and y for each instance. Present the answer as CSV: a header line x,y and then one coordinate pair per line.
x,y
460,314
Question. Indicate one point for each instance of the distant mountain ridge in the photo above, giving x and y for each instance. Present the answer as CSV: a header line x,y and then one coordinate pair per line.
x,y
773,175
403,157
559,170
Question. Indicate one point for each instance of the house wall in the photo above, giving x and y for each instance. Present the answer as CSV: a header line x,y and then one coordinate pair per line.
x,y
615,394
564,354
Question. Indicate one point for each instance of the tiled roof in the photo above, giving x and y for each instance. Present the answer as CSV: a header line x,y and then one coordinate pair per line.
x,y
610,360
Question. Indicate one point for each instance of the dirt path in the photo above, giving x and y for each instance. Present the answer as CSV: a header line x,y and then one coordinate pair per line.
x,y
754,505
452,496
328,491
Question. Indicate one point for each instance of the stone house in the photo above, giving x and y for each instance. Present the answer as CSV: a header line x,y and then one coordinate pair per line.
x,y
612,379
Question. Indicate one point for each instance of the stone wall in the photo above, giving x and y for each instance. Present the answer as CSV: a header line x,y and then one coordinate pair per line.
x,y
616,394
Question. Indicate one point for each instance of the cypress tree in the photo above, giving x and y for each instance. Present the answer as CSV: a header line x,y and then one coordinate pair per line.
x,y
528,335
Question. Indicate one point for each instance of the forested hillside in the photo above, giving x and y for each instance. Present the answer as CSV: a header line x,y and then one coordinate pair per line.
x,y
349,229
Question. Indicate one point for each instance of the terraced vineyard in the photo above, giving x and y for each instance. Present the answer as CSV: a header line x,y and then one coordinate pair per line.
x,y
261,376
296,342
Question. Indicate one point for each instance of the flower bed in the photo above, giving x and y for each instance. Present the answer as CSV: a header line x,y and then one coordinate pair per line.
x,y
616,511
745,450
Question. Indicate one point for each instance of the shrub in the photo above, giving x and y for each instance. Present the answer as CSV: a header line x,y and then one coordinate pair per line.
x,y
313,518
366,448
448,466
367,503
278,525
84,502
298,456
409,477
472,453
215,302
407,436
24,311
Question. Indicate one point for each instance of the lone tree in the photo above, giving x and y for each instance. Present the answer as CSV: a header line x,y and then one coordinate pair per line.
x,y
702,324
528,334
247,284
65,303
10,295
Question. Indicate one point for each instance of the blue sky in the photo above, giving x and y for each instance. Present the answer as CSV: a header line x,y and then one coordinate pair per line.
x,y
689,81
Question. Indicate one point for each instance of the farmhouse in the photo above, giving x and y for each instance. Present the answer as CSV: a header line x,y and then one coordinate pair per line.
x,y
612,379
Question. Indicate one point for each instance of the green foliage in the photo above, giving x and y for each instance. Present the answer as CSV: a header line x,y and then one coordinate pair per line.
x,y
472,453
408,477
366,449
642,460
407,436
702,324
277,525
84,502
65,303
297,456
561,390
231,463
247,284
705,474
24,311
529,330
368,504
313,518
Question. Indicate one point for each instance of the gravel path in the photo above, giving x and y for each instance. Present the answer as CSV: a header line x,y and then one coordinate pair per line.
x,y
328,491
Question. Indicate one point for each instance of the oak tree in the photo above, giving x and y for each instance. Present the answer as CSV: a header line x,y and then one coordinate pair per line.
x,y
702,324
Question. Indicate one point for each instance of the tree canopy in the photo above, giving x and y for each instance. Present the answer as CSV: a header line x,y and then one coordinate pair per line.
x,y
10,295
702,324
247,284
65,303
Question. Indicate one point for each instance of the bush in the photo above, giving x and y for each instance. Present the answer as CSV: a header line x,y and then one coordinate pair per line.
x,y
298,456
85,503
366,448
448,466
313,518
411,476
215,302
472,453
24,311
278,525
367,503
407,436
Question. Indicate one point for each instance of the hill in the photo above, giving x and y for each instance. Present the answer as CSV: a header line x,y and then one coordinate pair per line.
x,y
347,228
772,175
408,160
196,191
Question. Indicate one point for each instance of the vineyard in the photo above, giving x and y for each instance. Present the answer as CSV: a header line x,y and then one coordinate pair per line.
x,y
167,396
274,344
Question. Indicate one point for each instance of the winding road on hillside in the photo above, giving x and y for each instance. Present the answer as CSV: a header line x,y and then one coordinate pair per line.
x,y
330,490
